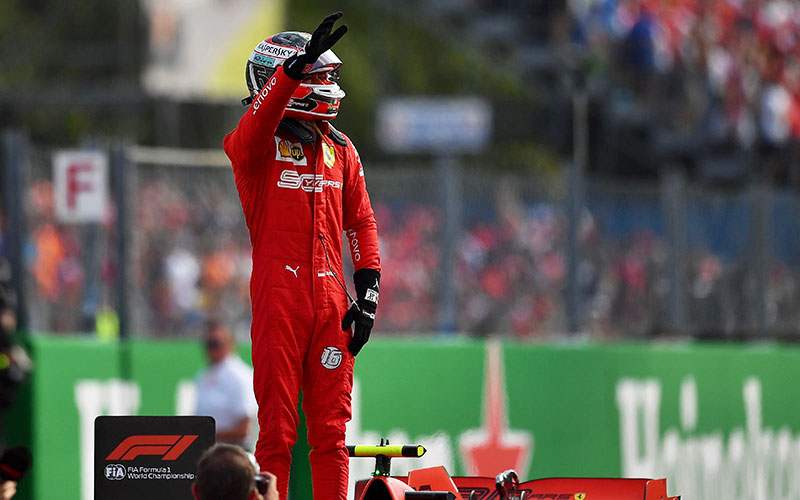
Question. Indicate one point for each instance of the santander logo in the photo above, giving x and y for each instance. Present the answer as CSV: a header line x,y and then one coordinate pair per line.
x,y
494,447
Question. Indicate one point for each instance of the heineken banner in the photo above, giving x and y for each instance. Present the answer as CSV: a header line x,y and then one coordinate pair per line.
x,y
718,421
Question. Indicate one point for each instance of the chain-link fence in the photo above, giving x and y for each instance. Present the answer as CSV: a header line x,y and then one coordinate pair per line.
x,y
190,250
68,272
473,251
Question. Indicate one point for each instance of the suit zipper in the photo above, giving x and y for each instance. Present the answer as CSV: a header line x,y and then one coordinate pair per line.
x,y
325,251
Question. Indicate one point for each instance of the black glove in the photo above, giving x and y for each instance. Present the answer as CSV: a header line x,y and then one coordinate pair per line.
x,y
367,283
321,40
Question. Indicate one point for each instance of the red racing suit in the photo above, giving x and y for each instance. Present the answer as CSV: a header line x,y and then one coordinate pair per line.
x,y
298,198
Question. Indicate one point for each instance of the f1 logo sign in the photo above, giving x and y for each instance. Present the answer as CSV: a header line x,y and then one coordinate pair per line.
x,y
80,185
146,456
169,447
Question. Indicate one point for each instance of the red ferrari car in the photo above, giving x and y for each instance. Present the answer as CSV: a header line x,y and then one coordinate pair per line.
x,y
434,483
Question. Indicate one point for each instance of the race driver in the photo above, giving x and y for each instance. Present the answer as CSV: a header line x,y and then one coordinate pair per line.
x,y
301,185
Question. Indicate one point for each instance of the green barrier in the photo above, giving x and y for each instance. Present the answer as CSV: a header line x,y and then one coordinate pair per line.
x,y
65,371
160,369
719,421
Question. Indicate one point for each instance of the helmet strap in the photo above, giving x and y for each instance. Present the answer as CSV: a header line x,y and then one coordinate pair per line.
x,y
316,127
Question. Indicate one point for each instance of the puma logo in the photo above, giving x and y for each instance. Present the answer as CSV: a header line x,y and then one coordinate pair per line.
x,y
294,271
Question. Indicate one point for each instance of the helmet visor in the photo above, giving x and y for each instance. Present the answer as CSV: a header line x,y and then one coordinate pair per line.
x,y
326,62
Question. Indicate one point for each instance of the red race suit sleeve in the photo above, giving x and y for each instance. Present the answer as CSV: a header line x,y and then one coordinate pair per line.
x,y
250,144
359,220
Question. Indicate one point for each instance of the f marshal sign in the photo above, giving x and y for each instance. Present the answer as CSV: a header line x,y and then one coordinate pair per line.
x,y
80,179
434,125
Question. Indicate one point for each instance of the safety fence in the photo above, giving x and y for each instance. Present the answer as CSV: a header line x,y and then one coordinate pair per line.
x,y
464,249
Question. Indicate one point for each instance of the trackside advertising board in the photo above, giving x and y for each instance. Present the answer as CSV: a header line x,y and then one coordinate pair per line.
x,y
718,421
139,457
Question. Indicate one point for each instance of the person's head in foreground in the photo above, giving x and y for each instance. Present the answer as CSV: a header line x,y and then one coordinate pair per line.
x,y
225,472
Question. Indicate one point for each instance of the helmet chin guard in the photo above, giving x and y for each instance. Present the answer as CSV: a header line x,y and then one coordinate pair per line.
x,y
318,96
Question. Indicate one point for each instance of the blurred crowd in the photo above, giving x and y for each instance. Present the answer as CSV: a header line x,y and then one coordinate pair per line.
x,y
191,261
726,73
193,256
723,75
511,271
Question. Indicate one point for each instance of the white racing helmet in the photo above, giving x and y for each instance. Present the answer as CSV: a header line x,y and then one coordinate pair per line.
x,y
317,97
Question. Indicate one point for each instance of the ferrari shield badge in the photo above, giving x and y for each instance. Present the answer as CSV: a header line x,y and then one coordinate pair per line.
x,y
329,154
580,496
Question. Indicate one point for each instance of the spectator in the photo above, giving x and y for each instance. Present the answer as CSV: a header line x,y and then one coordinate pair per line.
x,y
15,365
8,298
15,462
225,388
225,472
7,490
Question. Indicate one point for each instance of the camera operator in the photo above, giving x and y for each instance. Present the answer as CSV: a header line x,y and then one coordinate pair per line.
x,y
8,298
14,464
15,365
8,489
225,471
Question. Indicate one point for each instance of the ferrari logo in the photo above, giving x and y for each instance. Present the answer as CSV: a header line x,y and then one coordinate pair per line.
x,y
580,496
329,154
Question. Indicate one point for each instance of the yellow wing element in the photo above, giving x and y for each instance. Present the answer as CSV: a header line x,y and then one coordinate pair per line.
x,y
391,451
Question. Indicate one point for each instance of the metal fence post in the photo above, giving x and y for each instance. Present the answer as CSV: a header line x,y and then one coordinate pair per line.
x,y
577,167
15,145
573,210
119,169
448,172
673,202
760,255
